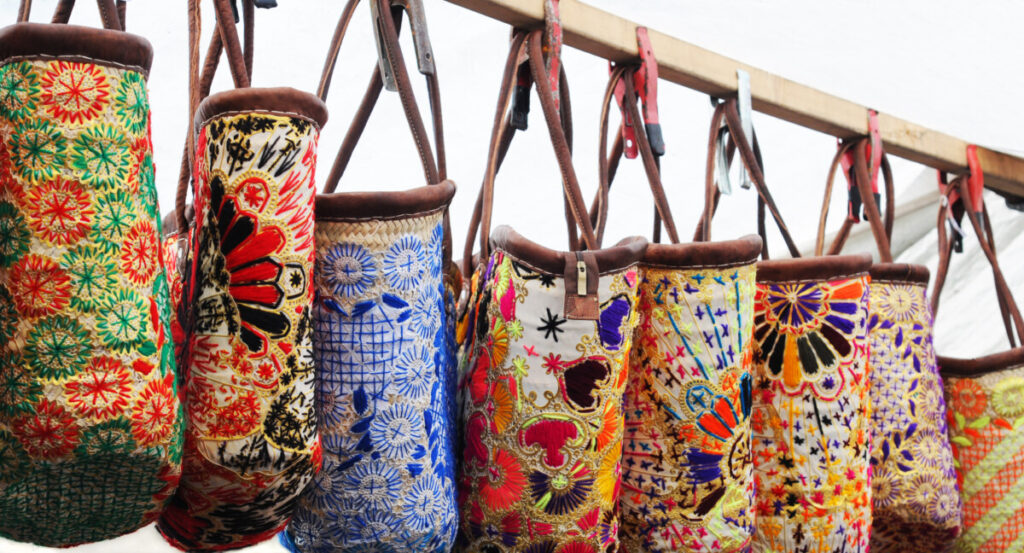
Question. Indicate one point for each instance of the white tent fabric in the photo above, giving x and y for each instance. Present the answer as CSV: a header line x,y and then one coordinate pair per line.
x,y
934,62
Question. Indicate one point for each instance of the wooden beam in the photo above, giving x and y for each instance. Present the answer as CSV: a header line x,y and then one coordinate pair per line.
x,y
614,38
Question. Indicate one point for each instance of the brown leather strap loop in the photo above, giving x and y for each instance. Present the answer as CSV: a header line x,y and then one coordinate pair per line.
x,y
599,217
109,13
433,161
1008,308
882,231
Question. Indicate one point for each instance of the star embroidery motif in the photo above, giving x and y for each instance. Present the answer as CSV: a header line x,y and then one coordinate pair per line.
x,y
551,325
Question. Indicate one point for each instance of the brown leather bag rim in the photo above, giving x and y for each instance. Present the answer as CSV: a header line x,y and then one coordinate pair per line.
x,y
899,273
697,255
278,101
358,206
102,46
627,252
981,366
813,268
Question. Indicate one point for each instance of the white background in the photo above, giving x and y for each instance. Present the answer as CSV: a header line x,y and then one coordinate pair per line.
x,y
953,66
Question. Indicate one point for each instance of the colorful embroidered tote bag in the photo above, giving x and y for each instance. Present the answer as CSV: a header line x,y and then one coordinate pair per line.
x,y
90,423
251,442
546,339
687,476
986,409
915,500
810,419
383,323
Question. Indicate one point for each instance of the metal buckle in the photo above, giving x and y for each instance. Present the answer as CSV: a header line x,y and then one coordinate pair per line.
x,y
420,39
745,106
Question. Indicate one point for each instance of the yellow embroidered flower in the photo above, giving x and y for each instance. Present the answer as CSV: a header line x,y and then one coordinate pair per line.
x,y
1008,397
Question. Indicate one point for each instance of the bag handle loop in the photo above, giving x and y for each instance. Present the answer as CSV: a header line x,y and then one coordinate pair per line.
x,y
111,13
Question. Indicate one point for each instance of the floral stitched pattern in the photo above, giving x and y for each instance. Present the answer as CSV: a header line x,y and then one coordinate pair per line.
x,y
384,387
542,411
810,419
986,431
252,444
90,429
909,433
687,476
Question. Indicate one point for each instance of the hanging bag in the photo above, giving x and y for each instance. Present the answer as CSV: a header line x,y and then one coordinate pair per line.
x,y
810,415
546,339
90,424
687,476
915,500
251,442
986,412
384,333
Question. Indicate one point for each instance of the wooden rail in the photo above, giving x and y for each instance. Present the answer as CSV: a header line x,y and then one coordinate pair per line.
x,y
614,38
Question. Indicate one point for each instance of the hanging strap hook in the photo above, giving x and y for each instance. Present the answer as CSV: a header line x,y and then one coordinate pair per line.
x,y
873,154
420,39
645,82
551,45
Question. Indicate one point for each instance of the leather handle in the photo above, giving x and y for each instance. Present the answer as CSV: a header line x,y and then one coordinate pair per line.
x,y
553,119
751,159
433,161
1008,308
881,230
110,12
599,209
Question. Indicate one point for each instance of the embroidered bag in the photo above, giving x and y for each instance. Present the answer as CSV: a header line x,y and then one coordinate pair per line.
x,y
687,476
810,420
251,443
546,339
915,500
384,334
986,411
90,424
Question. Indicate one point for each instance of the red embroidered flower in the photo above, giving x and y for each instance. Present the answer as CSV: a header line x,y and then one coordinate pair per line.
x,y
504,484
60,211
968,398
74,92
140,254
153,413
102,392
49,433
39,286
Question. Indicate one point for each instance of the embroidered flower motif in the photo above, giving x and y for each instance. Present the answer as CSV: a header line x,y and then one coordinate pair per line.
x,y
115,216
38,149
899,302
501,406
945,504
49,433
19,90
804,331
74,92
14,234
101,156
1008,397
425,503
19,388
112,437
426,314
398,431
102,392
331,408
60,211
39,286
122,322
562,492
140,255
504,483
404,263
968,398
131,103
885,488
609,475
414,373
58,347
92,274
348,269
153,414
372,526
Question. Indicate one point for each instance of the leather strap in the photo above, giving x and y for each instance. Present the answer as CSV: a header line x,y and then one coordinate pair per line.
x,y
599,216
751,158
434,165
882,231
1007,305
554,120
109,12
